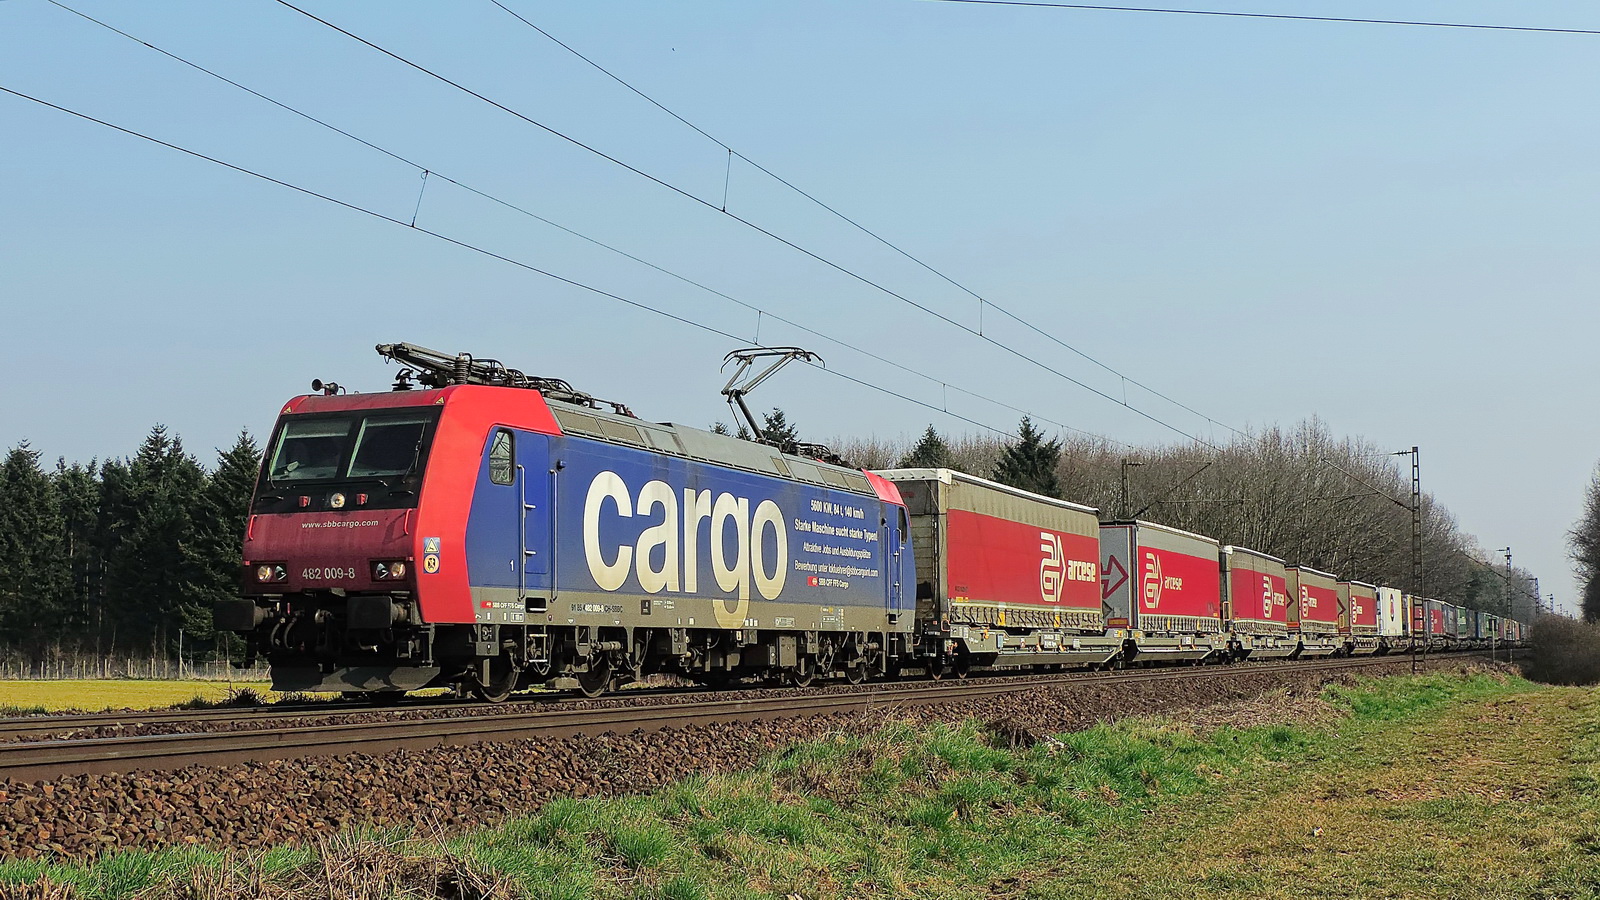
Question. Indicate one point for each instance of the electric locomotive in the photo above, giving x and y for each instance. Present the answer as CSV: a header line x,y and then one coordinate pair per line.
x,y
485,529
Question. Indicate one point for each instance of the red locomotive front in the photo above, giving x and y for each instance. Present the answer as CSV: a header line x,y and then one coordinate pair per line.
x,y
354,554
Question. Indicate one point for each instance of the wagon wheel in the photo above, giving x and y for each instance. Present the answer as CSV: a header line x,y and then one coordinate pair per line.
x,y
962,666
494,680
597,680
936,668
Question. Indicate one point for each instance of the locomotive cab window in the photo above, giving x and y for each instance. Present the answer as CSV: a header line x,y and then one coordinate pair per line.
x,y
501,470
309,451
902,512
388,447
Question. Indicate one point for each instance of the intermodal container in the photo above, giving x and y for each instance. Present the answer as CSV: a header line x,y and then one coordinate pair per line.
x,y
1394,612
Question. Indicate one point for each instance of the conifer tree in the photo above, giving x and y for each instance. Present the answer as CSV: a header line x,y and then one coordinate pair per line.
x,y
34,578
222,512
77,488
150,567
779,431
1030,464
931,452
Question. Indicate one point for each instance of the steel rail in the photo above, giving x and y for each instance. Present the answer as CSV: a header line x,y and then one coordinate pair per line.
x,y
40,760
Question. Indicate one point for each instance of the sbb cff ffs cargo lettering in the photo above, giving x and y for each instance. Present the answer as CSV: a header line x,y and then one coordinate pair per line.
x,y
486,530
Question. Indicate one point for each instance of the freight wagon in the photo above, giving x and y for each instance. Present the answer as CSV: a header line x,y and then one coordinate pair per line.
x,y
1163,585
1004,577
1394,619
1314,613
1358,617
1256,604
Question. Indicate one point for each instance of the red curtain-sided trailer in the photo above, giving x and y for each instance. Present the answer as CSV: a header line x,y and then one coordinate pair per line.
x,y
1004,577
1314,610
1358,616
1256,606
1164,585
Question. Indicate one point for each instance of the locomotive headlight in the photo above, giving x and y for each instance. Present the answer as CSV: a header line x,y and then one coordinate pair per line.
x,y
336,501
271,573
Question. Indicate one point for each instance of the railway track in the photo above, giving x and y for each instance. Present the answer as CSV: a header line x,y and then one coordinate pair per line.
x,y
75,725
26,761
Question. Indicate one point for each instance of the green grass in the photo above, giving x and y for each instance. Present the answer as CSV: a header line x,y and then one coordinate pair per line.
x,y
1140,808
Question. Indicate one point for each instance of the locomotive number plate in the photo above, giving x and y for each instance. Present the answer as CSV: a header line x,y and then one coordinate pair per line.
x,y
328,573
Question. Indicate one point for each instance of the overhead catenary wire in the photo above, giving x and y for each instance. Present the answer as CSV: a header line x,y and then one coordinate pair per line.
x,y
750,224
466,245
982,300
1291,17
427,173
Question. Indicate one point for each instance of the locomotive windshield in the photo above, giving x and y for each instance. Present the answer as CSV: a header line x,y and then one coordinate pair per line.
x,y
310,451
386,448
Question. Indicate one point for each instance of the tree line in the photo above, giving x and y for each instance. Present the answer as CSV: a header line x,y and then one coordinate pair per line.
x,y
123,556
127,555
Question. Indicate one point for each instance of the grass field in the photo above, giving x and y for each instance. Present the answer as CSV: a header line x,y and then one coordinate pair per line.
x,y
94,696
1494,794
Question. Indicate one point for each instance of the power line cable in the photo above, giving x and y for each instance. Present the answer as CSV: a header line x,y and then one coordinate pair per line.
x,y
466,245
752,225
1231,14
429,172
855,224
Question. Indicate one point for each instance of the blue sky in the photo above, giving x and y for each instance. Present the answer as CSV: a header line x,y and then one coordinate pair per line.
x,y
1391,228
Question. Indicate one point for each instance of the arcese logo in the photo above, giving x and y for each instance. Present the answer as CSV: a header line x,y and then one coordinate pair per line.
x,y
1055,570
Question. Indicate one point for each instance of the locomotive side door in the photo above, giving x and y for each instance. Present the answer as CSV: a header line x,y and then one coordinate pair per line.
x,y
896,526
535,513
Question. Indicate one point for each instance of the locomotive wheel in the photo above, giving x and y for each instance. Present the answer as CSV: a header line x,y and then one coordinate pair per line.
x,y
803,673
597,680
501,680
